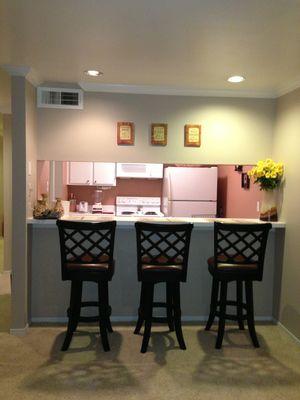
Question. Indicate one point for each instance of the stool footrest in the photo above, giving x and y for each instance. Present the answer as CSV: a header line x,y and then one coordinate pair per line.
x,y
162,320
231,317
233,303
159,304
95,318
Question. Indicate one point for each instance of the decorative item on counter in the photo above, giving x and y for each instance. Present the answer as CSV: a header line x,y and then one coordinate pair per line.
x,y
125,133
43,211
40,209
58,208
159,134
268,175
72,202
192,135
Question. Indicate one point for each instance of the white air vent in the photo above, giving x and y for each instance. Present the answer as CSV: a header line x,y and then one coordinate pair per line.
x,y
59,98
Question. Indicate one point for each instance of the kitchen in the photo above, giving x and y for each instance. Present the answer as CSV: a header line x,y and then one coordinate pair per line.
x,y
230,137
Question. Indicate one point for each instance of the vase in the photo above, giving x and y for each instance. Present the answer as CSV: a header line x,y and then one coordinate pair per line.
x,y
269,205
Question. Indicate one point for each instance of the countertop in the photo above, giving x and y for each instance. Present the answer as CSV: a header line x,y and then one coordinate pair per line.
x,y
129,221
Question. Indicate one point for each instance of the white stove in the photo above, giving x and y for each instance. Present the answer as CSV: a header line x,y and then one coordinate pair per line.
x,y
138,206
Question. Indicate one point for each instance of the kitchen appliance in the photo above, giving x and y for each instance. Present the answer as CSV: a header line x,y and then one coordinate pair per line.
x,y
190,191
97,206
138,206
83,206
139,170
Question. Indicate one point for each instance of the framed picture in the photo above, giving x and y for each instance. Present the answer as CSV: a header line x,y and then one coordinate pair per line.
x,y
159,134
192,135
125,133
245,181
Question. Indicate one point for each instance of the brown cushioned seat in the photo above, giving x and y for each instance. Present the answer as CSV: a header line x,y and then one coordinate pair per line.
x,y
94,267
222,264
170,268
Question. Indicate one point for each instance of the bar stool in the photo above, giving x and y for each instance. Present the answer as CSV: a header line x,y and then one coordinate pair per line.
x,y
162,256
239,252
87,255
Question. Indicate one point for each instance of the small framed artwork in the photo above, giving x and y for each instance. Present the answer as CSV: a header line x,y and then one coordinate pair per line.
x,y
125,133
159,134
245,180
192,135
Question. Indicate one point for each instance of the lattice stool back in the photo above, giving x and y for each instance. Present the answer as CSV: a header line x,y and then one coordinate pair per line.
x,y
162,256
87,255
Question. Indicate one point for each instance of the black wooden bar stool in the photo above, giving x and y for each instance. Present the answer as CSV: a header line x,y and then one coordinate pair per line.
x,y
239,252
87,255
162,256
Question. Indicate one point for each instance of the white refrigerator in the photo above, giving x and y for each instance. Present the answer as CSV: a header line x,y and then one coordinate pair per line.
x,y
190,192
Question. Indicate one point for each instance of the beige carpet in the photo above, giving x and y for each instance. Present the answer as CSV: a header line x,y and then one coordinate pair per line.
x,y
33,367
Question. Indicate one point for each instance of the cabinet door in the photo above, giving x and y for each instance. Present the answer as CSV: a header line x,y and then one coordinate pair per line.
x,y
104,174
80,173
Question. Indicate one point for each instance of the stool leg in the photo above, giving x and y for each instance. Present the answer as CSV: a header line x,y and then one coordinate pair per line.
x,y
103,313
177,314
149,289
105,300
169,306
213,303
239,304
74,312
140,320
222,317
250,312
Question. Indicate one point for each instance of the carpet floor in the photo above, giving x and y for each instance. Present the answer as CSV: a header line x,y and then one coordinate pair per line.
x,y
33,367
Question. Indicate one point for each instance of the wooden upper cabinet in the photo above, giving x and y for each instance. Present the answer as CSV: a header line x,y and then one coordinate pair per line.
x,y
104,174
92,173
80,173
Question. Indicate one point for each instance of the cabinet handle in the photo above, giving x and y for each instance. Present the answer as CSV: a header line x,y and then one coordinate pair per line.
x,y
95,181
87,181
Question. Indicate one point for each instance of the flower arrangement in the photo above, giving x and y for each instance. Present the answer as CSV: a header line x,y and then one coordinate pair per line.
x,y
267,174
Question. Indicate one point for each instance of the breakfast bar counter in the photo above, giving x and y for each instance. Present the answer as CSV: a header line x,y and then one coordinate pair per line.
x,y
49,295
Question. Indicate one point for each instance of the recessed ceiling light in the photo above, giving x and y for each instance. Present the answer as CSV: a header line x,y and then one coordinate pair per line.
x,y
236,79
93,72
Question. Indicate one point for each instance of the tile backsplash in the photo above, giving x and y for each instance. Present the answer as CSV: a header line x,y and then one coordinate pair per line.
x,y
124,187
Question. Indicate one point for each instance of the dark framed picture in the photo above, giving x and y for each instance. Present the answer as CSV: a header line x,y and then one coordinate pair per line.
x,y
245,180
125,133
159,134
192,135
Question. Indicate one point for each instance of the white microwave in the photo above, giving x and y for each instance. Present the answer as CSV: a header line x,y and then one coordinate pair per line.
x,y
139,170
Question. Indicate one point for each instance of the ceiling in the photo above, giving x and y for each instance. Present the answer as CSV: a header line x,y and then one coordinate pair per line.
x,y
190,44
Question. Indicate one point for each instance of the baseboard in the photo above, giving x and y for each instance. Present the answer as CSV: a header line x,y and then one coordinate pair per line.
x,y
64,320
289,332
19,331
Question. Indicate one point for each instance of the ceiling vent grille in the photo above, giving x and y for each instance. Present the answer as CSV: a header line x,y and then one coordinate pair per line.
x,y
48,97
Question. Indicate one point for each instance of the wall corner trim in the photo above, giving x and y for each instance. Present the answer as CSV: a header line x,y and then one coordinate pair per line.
x,y
297,340
19,331
22,70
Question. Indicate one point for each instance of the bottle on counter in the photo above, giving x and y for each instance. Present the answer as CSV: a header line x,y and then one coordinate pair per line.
x,y
72,200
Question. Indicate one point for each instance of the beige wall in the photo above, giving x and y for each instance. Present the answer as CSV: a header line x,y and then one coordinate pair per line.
x,y
1,172
286,148
234,130
5,92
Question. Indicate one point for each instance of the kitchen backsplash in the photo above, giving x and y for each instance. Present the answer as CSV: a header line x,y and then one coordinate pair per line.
x,y
124,187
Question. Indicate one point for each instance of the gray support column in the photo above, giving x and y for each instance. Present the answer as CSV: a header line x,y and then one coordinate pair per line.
x,y
19,317
7,186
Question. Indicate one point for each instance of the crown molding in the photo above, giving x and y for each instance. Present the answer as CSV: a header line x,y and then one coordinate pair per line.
x,y
290,87
22,70
171,91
